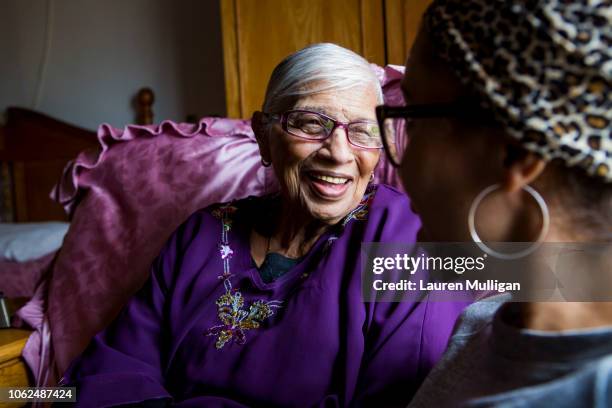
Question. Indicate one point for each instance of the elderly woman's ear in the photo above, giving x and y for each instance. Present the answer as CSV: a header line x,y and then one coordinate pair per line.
x,y
259,124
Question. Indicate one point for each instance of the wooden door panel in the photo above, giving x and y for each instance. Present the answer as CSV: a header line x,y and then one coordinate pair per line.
x,y
259,34
402,23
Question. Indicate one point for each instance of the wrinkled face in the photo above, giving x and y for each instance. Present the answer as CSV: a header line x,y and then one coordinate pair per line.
x,y
446,162
326,179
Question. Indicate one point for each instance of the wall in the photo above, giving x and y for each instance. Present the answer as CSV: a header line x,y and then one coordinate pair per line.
x,y
99,53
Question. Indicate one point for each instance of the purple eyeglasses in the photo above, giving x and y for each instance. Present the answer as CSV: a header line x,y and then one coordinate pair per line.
x,y
311,125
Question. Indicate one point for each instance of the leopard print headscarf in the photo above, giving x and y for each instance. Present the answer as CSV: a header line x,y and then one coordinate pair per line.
x,y
543,67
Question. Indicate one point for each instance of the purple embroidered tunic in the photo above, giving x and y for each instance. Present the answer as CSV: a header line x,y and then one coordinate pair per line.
x,y
205,330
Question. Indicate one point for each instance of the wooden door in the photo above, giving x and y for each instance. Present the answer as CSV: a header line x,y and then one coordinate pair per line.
x,y
258,34
402,23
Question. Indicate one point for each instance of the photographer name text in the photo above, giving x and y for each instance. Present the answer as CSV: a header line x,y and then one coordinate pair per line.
x,y
490,285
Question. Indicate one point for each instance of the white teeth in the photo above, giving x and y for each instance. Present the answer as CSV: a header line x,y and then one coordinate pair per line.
x,y
329,179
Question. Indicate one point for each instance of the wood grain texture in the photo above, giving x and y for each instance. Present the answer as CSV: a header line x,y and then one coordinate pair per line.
x,y
38,147
33,183
11,343
266,31
402,23
13,370
20,195
372,31
230,58
13,373
145,98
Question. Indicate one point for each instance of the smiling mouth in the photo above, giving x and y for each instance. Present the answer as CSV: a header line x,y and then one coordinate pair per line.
x,y
328,185
330,179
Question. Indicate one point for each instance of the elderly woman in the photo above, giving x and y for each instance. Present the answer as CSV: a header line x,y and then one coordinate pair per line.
x,y
259,302
508,108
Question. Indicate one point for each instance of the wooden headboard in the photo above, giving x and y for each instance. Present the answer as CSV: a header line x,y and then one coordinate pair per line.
x,y
36,148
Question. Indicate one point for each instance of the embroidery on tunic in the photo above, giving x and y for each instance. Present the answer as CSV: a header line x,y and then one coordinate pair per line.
x,y
235,318
359,213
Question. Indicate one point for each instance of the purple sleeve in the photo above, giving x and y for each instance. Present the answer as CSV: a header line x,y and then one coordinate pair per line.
x,y
403,339
399,335
123,364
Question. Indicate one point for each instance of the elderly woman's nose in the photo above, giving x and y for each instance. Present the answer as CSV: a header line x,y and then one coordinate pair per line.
x,y
338,146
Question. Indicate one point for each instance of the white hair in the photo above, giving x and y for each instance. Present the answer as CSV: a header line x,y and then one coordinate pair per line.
x,y
317,68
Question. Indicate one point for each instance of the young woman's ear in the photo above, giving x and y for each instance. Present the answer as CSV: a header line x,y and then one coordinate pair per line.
x,y
522,168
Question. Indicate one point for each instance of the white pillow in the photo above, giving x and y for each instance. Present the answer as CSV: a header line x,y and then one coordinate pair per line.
x,y
27,241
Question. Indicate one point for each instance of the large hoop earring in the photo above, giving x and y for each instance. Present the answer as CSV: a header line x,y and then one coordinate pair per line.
x,y
516,255
265,163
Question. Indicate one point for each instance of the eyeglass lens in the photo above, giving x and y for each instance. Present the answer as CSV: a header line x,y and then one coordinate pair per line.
x,y
311,125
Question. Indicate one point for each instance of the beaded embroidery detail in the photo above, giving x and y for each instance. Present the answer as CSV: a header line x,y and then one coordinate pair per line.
x,y
235,318
359,213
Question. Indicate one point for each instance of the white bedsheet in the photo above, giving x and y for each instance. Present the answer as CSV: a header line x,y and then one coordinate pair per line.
x,y
27,241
